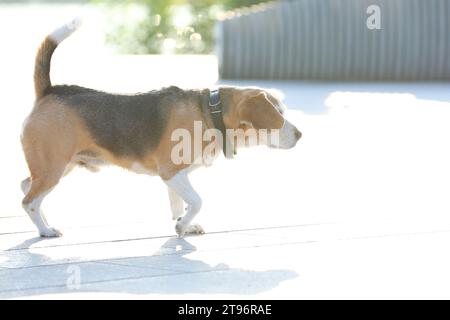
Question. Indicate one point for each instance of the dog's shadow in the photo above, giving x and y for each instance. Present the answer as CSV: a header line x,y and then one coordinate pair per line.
x,y
167,271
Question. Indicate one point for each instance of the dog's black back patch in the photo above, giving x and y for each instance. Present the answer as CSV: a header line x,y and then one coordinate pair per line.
x,y
126,125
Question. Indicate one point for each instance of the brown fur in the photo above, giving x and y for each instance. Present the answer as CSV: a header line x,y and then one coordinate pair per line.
x,y
42,67
54,134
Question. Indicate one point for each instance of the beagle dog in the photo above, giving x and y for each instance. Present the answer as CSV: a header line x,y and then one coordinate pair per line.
x,y
74,126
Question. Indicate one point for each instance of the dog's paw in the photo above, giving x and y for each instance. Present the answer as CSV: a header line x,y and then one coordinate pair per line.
x,y
50,233
180,228
193,229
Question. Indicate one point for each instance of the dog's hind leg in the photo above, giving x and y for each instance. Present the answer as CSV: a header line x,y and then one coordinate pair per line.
x,y
41,185
26,185
47,166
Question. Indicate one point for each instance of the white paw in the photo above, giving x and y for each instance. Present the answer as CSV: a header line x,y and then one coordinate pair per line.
x,y
180,228
195,229
50,233
192,229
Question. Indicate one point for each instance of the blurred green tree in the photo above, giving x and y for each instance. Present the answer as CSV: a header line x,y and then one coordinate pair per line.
x,y
172,26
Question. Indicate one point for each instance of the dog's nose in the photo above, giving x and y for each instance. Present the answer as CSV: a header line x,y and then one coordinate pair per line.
x,y
298,134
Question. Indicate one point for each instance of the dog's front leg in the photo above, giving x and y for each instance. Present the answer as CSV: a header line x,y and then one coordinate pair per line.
x,y
182,187
176,204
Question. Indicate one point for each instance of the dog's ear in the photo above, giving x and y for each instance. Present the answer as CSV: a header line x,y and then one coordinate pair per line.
x,y
258,110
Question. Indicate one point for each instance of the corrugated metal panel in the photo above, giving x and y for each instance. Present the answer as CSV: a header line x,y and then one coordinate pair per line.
x,y
329,40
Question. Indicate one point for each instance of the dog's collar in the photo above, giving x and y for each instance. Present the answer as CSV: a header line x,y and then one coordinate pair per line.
x,y
216,112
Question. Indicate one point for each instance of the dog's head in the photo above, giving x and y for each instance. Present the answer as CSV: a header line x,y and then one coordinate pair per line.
x,y
259,111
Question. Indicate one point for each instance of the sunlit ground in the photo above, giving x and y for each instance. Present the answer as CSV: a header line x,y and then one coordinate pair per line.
x,y
359,209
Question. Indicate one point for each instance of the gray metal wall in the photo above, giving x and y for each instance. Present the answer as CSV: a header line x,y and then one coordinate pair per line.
x,y
329,40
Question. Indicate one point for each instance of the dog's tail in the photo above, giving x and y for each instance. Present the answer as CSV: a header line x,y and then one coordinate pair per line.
x,y
44,55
